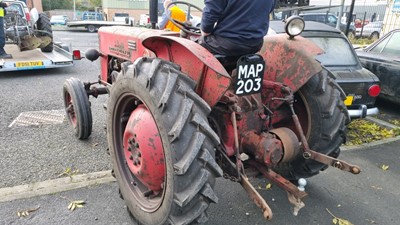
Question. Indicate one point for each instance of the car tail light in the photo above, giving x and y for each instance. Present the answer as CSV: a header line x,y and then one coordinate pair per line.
x,y
76,55
374,90
28,17
148,20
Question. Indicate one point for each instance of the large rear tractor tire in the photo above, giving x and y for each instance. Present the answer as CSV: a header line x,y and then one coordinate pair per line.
x,y
320,108
161,145
77,107
44,24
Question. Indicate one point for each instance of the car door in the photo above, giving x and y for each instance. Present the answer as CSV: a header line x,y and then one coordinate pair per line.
x,y
383,59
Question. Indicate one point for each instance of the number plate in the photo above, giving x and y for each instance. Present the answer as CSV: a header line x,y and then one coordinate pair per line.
x,y
250,69
29,64
349,100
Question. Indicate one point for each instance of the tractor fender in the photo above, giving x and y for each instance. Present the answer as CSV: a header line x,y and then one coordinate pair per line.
x,y
290,61
212,80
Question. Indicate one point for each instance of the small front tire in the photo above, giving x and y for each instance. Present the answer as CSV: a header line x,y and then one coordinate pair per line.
x,y
77,107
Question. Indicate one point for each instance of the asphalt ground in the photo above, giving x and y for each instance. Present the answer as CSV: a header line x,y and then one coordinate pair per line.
x,y
371,197
38,153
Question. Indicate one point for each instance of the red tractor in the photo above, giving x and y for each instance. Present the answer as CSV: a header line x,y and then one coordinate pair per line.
x,y
178,117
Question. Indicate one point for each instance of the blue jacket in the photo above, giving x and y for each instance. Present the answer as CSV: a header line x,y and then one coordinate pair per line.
x,y
238,20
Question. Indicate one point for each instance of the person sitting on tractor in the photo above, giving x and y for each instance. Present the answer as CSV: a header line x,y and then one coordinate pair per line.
x,y
235,27
175,13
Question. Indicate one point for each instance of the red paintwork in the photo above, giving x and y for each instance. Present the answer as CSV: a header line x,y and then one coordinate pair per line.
x,y
289,64
195,61
290,61
142,137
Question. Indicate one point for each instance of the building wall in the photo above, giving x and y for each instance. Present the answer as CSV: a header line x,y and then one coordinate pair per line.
x,y
35,4
392,18
136,7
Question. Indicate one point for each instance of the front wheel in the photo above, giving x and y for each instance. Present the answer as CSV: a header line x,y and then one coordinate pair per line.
x,y
323,116
77,107
161,144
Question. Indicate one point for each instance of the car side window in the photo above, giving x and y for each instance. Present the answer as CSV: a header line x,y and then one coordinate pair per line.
x,y
393,45
320,18
388,45
332,19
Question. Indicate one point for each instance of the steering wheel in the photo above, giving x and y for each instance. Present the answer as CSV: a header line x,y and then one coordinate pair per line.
x,y
185,26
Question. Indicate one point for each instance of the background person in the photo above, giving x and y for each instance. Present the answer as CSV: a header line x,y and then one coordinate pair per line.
x,y
3,54
235,27
173,12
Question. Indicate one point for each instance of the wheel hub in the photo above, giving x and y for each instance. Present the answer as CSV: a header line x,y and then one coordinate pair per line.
x,y
143,149
70,110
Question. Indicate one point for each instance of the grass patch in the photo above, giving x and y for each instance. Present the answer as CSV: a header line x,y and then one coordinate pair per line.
x,y
361,41
361,131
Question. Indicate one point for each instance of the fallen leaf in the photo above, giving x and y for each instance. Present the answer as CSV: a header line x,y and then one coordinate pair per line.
x,y
69,172
73,204
26,212
370,221
384,167
339,221
377,188
268,186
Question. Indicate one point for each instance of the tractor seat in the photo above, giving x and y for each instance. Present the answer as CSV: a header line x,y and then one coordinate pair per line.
x,y
229,62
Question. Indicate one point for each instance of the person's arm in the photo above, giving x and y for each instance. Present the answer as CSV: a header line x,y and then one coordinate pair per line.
x,y
164,19
211,13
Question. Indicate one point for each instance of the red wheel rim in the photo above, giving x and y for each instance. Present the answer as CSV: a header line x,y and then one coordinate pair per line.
x,y
143,149
69,106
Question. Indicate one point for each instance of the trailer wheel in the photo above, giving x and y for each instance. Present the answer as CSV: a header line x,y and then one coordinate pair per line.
x,y
91,28
320,108
162,147
77,107
44,24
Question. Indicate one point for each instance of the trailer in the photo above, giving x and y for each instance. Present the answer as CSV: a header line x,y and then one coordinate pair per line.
x,y
93,25
36,59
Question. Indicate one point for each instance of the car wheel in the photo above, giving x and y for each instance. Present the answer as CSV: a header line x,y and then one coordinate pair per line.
x,y
351,35
91,28
374,36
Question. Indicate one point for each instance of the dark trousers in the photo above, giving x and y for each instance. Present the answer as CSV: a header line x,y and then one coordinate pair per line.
x,y
222,46
2,37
